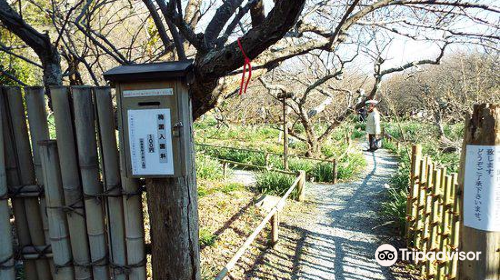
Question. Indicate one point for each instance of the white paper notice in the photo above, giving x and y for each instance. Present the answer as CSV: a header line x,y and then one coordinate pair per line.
x,y
150,138
148,92
482,188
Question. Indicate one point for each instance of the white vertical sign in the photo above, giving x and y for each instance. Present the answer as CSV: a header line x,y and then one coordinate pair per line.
x,y
150,138
482,187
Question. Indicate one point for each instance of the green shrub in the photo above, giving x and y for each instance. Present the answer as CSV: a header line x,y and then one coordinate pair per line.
x,y
275,183
207,238
350,166
322,172
231,187
208,168
394,207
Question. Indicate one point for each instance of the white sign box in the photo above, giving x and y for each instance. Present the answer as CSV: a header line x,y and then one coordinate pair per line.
x,y
148,92
482,187
150,138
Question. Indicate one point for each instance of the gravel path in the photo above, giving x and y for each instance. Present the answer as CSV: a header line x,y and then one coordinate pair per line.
x,y
335,234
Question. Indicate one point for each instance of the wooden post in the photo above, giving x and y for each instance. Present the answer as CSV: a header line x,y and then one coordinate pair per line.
x,y
482,128
7,268
39,131
58,231
173,211
112,182
285,136
89,170
412,201
26,175
334,171
73,196
266,160
434,220
445,218
275,224
301,186
427,212
224,169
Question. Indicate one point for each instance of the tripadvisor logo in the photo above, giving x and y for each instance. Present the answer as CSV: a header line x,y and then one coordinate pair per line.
x,y
387,255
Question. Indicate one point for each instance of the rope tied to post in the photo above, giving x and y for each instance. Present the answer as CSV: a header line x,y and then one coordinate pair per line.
x,y
246,64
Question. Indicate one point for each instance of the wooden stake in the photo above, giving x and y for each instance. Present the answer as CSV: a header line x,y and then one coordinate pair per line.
x,y
482,128
275,224
39,131
72,187
417,243
111,170
434,220
285,136
13,181
301,186
455,229
27,175
7,268
61,248
334,171
89,170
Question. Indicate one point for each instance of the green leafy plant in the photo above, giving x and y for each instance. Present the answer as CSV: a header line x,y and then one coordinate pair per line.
x,y
275,183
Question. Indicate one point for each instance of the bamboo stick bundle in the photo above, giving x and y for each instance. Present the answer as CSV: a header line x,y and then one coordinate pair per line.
x,y
422,179
21,222
134,226
445,234
58,230
72,188
455,226
412,201
39,131
92,188
27,175
112,182
427,212
7,269
433,244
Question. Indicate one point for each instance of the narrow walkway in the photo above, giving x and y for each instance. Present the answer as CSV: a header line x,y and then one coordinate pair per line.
x,y
334,236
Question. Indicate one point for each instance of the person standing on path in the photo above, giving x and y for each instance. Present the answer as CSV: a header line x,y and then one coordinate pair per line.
x,y
373,125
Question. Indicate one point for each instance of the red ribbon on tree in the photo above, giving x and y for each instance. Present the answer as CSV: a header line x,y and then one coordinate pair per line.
x,y
245,65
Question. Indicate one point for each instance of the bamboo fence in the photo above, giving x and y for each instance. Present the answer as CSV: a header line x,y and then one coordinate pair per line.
x,y
433,214
75,215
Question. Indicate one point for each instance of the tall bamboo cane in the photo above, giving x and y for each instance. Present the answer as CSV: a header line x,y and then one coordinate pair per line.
x,y
111,170
21,222
89,170
7,269
71,182
58,230
39,131
27,175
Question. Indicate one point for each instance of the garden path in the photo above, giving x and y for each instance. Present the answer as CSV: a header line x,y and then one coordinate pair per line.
x,y
334,235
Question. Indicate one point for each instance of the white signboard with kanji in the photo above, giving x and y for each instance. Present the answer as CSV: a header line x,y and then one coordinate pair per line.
x,y
482,187
150,138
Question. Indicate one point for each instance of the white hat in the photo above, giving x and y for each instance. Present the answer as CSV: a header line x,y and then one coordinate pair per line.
x,y
374,102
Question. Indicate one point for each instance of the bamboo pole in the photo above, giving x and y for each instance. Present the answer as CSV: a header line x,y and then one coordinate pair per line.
x,y
422,179
21,221
39,131
112,180
445,233
134,226
71,182
7,268
434,221
455,228
89,171
427,212
58,231
412,201
27,175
